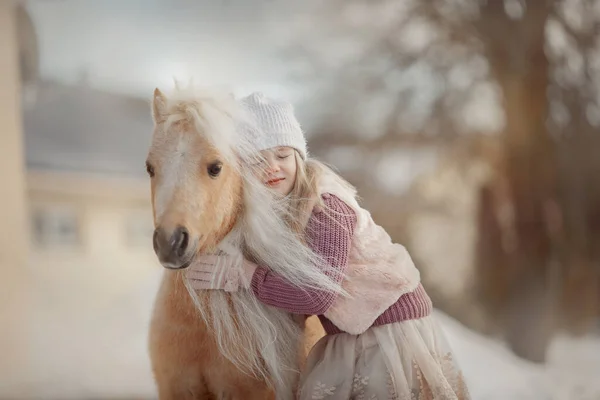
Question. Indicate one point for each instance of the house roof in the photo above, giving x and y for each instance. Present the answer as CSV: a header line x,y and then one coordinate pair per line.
x,y
79,129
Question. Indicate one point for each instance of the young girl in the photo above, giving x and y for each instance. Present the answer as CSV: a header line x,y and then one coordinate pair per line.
x,y
381,342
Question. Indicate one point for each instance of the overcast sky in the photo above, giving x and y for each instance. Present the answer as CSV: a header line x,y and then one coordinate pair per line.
x,y
132,46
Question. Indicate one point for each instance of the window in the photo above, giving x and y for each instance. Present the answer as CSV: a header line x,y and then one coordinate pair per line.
x,y
56,226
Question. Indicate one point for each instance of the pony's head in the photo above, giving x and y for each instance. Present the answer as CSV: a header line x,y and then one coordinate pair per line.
x,y
195,181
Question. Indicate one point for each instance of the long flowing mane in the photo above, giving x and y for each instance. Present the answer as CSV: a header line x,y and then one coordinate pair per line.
x,y
260,340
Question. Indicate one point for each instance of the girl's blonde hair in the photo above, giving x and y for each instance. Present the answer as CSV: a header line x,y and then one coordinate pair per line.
x,y
305,194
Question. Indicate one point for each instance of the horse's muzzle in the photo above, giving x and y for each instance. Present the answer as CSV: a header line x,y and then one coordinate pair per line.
x,y
174,249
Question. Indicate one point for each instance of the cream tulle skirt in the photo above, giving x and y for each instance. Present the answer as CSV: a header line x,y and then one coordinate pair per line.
x,y
409,360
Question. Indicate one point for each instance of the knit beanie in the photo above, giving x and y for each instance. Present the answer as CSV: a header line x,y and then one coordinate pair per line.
x,y
275,122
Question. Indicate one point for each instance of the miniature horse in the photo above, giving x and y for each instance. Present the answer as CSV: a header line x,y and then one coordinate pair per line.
x,y
214,344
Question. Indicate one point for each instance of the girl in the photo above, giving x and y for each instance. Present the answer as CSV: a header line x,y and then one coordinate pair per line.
x,y
381,341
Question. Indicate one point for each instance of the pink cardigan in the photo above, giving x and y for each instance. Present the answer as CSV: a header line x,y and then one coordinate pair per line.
x,y
330,235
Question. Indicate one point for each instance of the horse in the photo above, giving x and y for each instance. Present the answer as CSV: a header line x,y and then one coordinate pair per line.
x,y
206,198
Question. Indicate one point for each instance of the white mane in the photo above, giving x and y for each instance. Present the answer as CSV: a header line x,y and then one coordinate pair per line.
x,y
269,336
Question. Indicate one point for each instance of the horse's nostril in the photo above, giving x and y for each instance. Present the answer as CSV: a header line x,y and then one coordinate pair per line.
x,y
184,242
181,239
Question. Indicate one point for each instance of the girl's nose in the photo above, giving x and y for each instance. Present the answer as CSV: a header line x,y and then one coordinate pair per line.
x,y
272,167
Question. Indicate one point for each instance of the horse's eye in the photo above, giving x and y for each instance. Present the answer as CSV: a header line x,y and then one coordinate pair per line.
x,y
149,169
214,169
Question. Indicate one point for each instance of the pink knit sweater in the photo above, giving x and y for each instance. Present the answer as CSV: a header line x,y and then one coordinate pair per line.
x,y
330,235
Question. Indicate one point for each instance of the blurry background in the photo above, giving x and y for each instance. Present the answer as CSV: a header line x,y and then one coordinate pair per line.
x,y
470,127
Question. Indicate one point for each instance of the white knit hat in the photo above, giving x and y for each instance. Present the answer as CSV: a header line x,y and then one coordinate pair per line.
x,y
276,123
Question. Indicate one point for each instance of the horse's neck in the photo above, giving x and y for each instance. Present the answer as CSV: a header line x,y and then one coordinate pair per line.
x,y
176,297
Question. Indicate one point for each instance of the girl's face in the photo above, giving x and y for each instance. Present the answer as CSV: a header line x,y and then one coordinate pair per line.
x,y
279,172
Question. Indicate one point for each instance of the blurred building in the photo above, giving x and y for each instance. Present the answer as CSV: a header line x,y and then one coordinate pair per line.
x,y
87,194
78,271
90,244
14,243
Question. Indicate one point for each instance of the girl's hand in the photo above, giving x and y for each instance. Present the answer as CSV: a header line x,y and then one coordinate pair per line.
x,y
220,272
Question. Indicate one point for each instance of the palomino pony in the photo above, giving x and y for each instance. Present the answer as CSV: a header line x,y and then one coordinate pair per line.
x,y
206,198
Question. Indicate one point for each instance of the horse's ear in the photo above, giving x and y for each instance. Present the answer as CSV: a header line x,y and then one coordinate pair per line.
x,y
159,106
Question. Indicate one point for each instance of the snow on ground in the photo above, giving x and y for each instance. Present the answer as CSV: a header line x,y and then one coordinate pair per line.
x,y
88,348
494,373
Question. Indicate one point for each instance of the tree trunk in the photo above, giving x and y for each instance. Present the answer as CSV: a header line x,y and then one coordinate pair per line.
x,y
515,205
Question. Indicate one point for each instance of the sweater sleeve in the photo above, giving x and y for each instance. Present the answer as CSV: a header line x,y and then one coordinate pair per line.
x,y
329,234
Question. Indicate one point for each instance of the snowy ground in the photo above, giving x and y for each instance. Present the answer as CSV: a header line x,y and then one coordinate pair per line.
x,y
97,349
494,373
